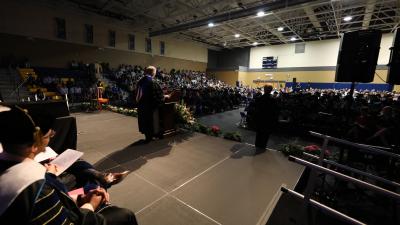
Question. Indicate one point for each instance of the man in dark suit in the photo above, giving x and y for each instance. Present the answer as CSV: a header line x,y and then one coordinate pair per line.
x,y
266,115
150,98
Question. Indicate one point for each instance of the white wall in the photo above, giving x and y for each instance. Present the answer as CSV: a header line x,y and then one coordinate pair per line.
x,y
317,53
34,19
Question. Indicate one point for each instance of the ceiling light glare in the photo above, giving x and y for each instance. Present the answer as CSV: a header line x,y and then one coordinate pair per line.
x,y
293,39
237,35
347,18
280,29
261,13
211,24
255,43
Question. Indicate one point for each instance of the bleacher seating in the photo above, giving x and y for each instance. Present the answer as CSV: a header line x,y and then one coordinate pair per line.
x,y
47,80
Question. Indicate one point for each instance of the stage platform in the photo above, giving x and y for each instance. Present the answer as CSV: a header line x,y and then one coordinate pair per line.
x,y
186,179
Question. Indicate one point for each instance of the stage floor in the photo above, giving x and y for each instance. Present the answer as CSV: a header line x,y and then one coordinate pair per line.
x,y
186,179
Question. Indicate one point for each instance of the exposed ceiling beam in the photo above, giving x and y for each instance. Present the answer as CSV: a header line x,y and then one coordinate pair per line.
x,y
289,27
107,5
191,8
235,30
192,38
278,34
336,20
230,16
137,11
313,18
369,10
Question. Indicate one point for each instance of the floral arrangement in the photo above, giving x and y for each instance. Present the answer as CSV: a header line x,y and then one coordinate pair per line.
x,y
183,115
121,110
185,119
297,150
315,150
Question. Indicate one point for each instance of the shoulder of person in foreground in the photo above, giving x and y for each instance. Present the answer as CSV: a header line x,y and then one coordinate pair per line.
x,y
54,206
19,212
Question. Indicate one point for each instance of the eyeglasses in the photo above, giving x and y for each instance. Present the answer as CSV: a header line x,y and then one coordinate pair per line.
x,y
50,135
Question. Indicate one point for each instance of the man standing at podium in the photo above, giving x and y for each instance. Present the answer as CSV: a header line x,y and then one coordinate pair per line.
x,y
149,98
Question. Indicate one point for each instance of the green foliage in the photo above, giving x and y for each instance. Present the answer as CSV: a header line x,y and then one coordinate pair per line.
x,y
204,129
233,136
87,106
292,149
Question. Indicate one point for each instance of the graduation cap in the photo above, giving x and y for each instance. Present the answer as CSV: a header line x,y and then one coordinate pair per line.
x,y
44,121
16,126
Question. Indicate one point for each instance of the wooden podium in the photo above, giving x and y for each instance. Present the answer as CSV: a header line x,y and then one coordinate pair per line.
x,y
167,112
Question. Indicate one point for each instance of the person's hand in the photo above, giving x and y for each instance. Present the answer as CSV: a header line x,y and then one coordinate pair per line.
x,y
51,168
103,193
95,197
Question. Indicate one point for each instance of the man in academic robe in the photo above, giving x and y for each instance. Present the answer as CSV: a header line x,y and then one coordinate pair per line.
x,y
30,192
150,99
266,118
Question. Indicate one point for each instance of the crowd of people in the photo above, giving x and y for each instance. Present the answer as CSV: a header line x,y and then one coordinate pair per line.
x,y
200,92
77,89
360,117
366,117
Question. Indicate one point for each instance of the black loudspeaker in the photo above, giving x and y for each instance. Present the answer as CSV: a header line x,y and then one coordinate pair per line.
x,y
358,55
294,80
394,62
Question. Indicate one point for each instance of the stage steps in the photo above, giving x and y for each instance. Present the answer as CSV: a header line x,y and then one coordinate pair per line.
x,y
9,80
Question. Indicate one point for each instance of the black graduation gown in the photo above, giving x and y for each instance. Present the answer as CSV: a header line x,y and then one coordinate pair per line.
x,y
152,98
46,201
41,202
266,118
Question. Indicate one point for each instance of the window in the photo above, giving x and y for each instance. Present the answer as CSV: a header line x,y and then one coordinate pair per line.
x,y
111,38
61,31
131,42
89,33
148,45
162,48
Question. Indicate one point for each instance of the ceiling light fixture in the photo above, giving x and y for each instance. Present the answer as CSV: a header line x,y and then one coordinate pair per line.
x,y
210,24
237,35
261,14
280,28
255,43
293,39
347,18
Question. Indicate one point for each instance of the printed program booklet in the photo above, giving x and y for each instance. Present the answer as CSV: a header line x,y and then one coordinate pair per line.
x,y
63,161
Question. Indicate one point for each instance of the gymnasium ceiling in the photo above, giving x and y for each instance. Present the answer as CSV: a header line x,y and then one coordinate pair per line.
x,y
298,20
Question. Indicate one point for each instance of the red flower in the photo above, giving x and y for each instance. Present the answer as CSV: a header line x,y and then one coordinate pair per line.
x,y
316,149
215,129
312,148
